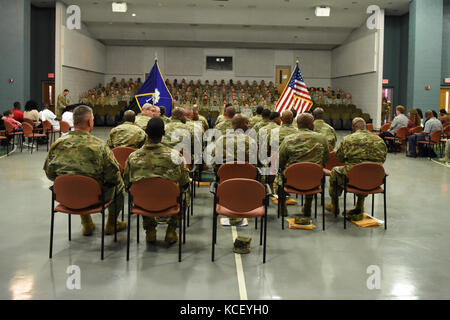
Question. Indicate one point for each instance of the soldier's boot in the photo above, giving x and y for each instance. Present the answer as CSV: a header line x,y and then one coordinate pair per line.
x,y
333,206
171,234
88,224
306,209
150,234
357,214
109,228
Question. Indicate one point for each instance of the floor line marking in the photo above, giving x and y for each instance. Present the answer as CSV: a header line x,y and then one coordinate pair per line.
x,y
239,269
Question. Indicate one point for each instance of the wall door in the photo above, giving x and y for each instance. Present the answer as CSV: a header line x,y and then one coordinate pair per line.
x,y
445,99
48,94
388,95
282,78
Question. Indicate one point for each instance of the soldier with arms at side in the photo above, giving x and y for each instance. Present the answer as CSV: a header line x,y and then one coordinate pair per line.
x,y
62,102
127,134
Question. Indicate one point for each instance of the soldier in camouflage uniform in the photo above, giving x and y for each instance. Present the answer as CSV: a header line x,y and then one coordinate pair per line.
x,y
62,103
257,117
360,146
155,160
324,128
264,122
304,146
178,122
127,134
162,110
200,117
144,117
80,153
226,123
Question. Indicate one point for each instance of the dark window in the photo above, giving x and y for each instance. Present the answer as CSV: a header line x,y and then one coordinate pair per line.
x,y
219,63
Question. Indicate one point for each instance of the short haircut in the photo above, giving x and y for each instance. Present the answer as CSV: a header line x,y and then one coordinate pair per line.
x,y
230,112
238,122
359,123
66,90
318,113
81,114
129,116
266,114
228,105
16,105
155,128
7,113
305,120
147,106
162,111
274,115
259,110
400,109
287,117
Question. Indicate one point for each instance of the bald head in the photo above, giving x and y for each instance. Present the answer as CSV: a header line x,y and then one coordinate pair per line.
x,y
358,124
129,116
428,114
305,121
318,113
287,117
240,122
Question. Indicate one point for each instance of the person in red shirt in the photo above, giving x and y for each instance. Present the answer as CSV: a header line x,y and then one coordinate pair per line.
x,y
18,115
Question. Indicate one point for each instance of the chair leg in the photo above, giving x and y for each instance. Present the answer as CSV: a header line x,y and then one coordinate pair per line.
x,y
123,211
192,199
103,235
70,226
283,205
256,223
214,231
385,213
137,228
265,234
181,230
188,220
184,224
315,206
51,232
345,208
302,200
115,229
261,230
323,209
128,235
373,200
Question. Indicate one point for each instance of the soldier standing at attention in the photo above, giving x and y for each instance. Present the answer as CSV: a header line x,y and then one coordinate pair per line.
x,y
324,128
62,103
127,134
304,146
80,153
154,160
143,118
360,146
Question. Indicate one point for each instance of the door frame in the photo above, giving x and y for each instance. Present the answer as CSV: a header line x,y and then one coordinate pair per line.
x,y
282,66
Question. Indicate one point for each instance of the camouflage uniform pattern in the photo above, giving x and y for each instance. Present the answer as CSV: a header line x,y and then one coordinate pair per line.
x,y
80,153
127,135
238,138
260,124
142,120
155,161
361,146
62,101
327,131
304,146
254,120
224,126
286,130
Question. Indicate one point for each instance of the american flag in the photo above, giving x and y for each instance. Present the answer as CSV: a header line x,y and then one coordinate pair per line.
x,y
295,95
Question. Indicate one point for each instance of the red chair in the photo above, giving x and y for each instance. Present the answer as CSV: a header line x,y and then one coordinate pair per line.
x,y
30,134
48,129
370,127
363,179
11,133
155,197
79,195
64,126
304,178
7,144
121,154
401,135
385,127
435,140
240,198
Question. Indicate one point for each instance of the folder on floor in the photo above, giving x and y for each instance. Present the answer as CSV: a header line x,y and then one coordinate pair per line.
x,y
368,221
292,225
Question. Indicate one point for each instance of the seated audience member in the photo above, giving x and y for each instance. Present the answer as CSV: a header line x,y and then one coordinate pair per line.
x,y
443,117
264,121
155,160
162,110
67,116
226,123
8,116
143,118
48,115
304,146
31,112
399,121
257,117
419,112
127,134
414,119
18,115
360,146
447,152
80,153
431,124
324,128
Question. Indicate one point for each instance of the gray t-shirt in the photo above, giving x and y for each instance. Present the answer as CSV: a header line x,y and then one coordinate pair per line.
x,y
432,125
399,121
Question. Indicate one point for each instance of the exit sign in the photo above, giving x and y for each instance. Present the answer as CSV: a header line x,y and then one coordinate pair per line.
x,y
447,80
51,75
385,81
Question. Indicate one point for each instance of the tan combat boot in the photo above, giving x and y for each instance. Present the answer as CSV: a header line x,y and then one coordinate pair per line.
x,y
88,225
109,228
171,234
150,234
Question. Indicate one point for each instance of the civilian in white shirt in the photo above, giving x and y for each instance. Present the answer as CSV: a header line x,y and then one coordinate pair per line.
x,y
48,115
67,116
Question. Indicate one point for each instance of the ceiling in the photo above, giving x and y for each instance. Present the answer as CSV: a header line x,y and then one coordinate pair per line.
x,y
284,24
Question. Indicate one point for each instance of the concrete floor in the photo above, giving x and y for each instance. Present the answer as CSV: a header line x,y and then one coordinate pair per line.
x,y
412,255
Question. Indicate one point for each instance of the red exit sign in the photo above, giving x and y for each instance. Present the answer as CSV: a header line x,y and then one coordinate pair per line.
x,y
447,80
385,81
51,75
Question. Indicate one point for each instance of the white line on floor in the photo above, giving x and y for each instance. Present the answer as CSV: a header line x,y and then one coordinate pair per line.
x,y
239,269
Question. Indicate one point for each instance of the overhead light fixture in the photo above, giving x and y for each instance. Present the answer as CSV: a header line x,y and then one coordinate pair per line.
x,y
133,14
119,7
323,11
